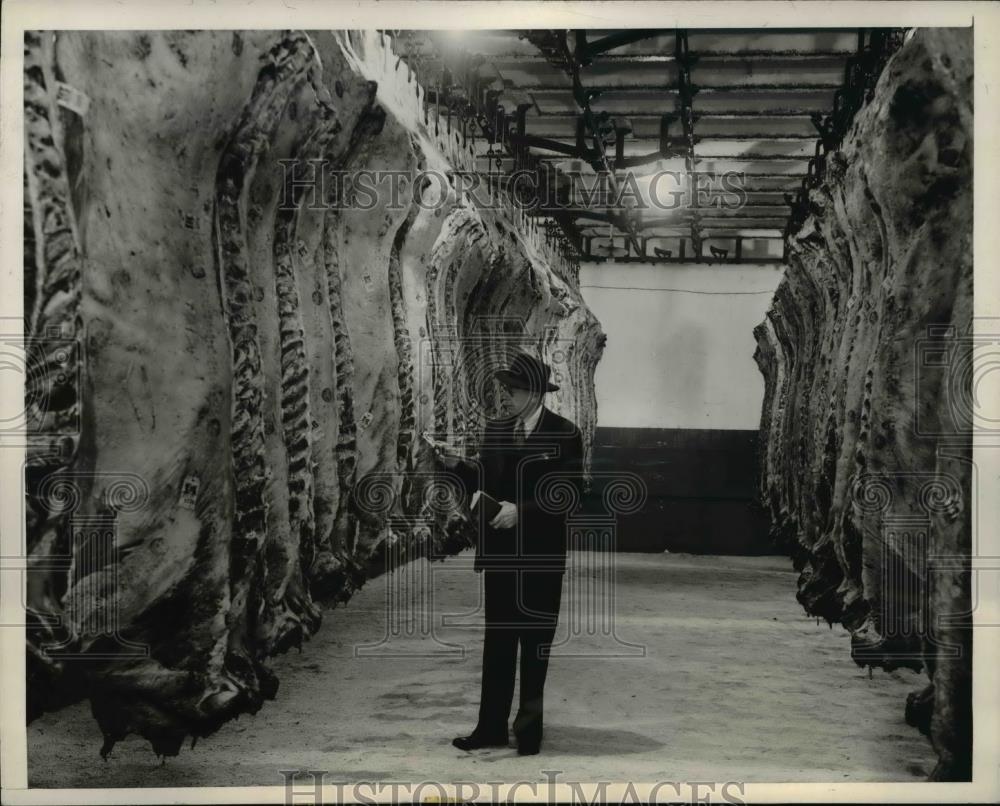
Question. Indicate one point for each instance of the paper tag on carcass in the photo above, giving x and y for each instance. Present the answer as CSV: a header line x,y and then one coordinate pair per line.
x,y
72,99
189,492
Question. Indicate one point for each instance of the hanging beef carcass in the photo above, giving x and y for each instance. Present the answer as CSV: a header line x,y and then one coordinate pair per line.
x,y
232,367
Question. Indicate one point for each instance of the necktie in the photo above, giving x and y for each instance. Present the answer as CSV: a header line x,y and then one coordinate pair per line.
x,y
519,432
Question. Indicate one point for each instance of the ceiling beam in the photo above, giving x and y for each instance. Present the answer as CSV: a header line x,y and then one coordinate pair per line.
x,y
554,45
763,97
586,51
662,148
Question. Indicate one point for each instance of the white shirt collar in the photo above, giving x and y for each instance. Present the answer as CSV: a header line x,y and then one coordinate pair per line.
x,y
531,420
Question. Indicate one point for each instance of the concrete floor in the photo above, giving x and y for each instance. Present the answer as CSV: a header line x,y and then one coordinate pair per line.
x,y
713,673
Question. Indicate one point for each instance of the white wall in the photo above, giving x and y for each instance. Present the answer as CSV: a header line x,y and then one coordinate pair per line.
x,y
680,343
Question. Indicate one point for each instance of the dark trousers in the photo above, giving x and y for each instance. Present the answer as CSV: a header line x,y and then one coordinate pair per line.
x,y
522,607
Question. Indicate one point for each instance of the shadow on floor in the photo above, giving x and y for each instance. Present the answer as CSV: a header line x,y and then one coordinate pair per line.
x,y
576,740
579,740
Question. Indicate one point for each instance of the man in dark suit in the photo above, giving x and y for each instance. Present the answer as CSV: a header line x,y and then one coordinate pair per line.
x,y
521,551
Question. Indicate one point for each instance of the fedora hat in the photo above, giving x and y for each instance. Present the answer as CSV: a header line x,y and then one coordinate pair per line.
x,y
526,372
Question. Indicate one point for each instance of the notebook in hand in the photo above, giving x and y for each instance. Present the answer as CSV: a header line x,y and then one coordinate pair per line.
x,y
485,503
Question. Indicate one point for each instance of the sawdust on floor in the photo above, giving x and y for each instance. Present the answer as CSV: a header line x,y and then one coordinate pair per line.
x,y
706,670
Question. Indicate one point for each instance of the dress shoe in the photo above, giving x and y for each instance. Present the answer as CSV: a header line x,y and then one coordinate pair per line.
x,y
474,742
528,749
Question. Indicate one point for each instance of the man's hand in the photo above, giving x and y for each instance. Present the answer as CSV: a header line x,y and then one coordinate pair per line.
x,y
449,460
443,453
506,517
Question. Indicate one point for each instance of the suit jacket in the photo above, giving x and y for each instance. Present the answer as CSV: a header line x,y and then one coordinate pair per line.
x,y
552,454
